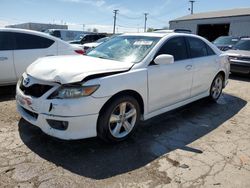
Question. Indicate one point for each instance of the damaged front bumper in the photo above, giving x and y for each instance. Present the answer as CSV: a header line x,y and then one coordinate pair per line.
x,y
66,119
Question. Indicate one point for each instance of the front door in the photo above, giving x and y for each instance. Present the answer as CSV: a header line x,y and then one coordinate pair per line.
x,y
170,84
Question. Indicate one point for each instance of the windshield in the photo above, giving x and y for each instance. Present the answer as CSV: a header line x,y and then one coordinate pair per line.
x,y
242,45
226,41
131,49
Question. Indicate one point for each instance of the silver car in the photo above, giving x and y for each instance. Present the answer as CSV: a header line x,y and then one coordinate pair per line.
x,y
240,57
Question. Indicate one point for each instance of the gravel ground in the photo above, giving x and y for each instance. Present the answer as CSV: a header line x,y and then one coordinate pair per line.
x,y
199,145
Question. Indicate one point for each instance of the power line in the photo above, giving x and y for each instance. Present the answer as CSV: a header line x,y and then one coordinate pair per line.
x,y
130,27
130,18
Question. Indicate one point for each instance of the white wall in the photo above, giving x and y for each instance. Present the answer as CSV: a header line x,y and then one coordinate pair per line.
x,y
239,26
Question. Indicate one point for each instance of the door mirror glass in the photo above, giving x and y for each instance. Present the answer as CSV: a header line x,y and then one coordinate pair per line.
x,y
164,59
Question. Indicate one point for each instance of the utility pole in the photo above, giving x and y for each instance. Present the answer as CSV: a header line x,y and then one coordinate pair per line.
x,y
115,12
145,23
192,6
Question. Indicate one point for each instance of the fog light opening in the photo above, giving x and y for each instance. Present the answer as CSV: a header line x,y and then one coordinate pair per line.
x,y
59,125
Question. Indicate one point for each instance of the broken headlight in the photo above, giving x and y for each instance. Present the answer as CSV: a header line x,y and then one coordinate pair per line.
x,y
73,91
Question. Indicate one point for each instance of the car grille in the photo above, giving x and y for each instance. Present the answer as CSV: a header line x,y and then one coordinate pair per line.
x,y
35,90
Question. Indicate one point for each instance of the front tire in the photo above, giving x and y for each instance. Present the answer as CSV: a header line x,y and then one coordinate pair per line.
x,y
216,88
119,119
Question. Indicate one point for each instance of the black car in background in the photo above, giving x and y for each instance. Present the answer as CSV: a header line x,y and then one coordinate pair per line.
x,y
225,43
87,38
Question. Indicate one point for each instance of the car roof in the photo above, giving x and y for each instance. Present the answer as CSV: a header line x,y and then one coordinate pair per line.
x,y
32,32
160,35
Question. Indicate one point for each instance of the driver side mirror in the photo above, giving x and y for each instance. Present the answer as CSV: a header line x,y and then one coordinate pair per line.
x,y
164,59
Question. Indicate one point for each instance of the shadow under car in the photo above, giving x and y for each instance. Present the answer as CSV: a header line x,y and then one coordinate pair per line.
x,y
160,135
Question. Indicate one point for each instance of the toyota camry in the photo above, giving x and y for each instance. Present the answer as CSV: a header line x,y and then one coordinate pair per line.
x,y
129,78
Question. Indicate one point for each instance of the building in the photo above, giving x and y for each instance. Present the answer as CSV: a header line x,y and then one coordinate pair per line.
x,y
235,22
38,26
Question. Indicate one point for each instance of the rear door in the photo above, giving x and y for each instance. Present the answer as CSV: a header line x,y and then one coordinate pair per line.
x,y
7,69
29,48
204,65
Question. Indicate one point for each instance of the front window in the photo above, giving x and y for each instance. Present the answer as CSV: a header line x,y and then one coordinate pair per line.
x,y
132,49
242,45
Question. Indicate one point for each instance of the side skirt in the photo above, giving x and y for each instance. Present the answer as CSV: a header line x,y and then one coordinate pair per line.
x,y
174,106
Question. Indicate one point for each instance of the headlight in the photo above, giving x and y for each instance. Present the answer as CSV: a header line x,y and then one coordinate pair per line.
x,y
71,91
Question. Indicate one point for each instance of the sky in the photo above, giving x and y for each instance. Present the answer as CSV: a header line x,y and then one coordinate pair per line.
x,y
89,14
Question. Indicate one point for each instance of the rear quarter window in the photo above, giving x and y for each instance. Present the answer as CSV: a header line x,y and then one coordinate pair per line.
x,y
6,41
28,41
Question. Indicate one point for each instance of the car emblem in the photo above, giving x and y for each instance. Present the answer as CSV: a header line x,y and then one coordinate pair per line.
x,y
26,81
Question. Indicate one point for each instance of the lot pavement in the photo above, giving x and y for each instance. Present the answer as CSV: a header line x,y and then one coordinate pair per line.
x,y
200,145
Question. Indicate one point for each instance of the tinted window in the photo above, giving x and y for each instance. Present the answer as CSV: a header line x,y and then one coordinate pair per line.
x,y
210,51
6,41
27,41
175,47
198,48
96,37
56,34
86,39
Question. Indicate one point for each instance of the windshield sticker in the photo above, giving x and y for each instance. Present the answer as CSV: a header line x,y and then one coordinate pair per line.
x,y
143,43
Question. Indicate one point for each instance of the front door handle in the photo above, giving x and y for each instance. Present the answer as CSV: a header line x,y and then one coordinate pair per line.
x,y
3,58
189,67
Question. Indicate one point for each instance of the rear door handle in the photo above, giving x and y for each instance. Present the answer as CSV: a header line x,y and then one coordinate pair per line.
x,y
189,67
3,58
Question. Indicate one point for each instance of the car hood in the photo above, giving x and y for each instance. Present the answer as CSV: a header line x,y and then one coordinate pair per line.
x,y
243,53
71,69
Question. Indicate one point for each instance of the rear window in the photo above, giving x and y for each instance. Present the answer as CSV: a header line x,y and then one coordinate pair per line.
x,y
27,41
6,41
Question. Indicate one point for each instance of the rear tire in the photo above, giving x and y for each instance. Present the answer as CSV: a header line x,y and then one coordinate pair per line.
x,y
118,119
216,88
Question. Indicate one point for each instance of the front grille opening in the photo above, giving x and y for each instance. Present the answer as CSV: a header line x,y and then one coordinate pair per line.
x,y
32,114
36,90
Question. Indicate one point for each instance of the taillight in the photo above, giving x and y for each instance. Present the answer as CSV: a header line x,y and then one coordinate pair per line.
x,y
82,52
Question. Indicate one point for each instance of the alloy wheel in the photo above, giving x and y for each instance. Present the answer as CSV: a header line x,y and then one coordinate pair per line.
x,y
122,120
217,87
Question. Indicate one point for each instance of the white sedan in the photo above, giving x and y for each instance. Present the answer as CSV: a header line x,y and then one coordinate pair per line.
x,y
19,48
129,78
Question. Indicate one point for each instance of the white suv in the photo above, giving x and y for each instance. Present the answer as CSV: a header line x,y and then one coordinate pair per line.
x,y
129,78
19,48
